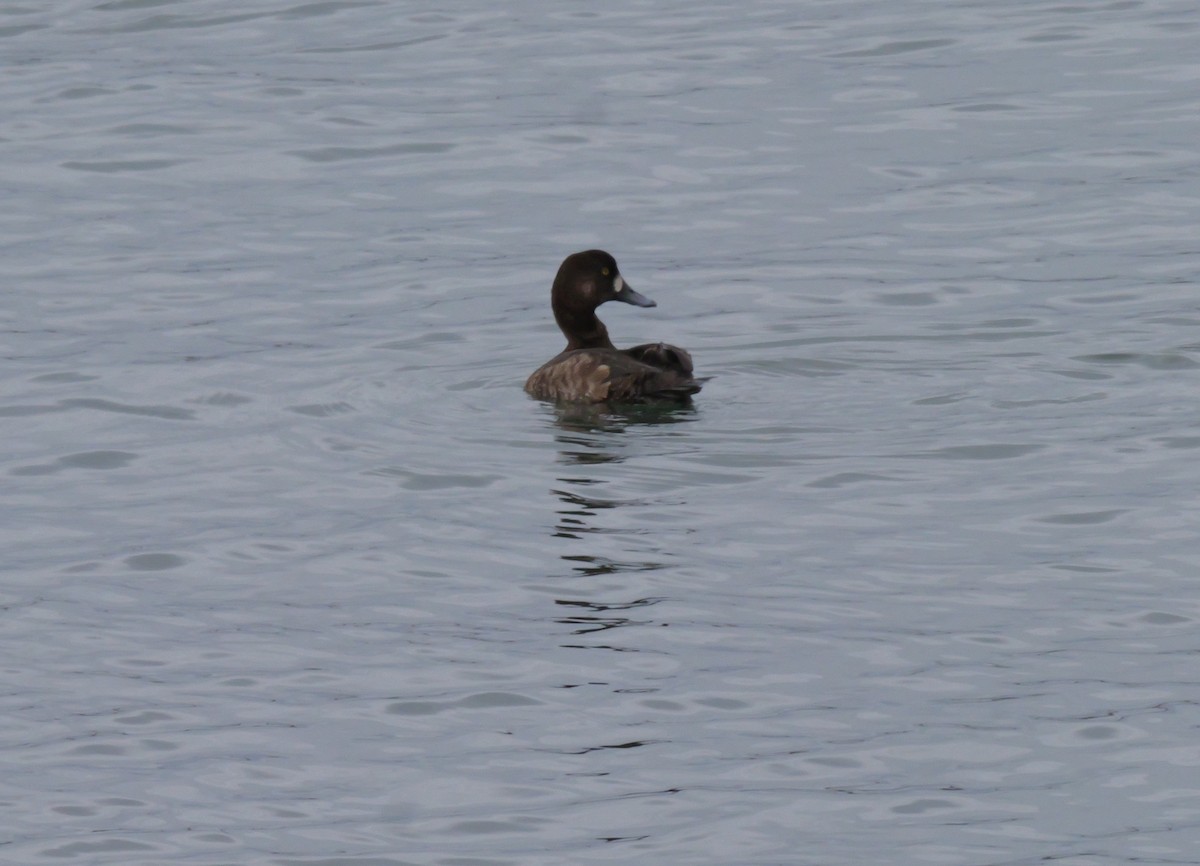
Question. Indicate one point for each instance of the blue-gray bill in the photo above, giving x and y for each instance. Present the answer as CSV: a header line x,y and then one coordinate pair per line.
x,y
629,296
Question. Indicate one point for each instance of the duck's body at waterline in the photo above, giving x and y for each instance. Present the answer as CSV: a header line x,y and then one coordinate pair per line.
x,y
591,369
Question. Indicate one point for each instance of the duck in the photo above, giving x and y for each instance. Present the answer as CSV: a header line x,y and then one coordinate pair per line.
x,y
591,369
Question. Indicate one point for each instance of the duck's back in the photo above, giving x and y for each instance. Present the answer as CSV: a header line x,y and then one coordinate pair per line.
x,y
654,371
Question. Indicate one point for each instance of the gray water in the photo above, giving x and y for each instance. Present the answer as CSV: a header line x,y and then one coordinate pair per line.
x,y
294,573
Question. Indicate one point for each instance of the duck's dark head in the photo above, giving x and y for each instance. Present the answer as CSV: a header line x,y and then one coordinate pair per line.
x,y
590,278
585,281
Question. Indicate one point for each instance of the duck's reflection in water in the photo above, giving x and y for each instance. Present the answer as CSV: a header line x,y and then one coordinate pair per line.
x,y
591,439
600,417
592,616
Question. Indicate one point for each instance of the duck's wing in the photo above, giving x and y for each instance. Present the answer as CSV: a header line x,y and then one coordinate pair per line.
x,y
627,384
672,377
609,376
654,371
662,355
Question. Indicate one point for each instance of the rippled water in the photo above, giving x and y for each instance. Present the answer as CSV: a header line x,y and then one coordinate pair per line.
x,y
294,573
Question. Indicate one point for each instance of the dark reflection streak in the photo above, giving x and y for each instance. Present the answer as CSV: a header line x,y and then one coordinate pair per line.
x,y
595,436
573,527
605,566
597,623
585,458
598,606
602,418
633,744
586,501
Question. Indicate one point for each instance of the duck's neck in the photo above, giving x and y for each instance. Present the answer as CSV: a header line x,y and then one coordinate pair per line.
x,y
583,330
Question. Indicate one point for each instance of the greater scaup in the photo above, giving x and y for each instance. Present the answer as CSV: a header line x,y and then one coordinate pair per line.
x,y
591,369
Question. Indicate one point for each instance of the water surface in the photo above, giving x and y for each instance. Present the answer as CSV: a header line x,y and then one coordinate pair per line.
x,y
294,573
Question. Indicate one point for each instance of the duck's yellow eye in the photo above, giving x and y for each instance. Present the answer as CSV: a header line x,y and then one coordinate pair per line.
x,y
604,271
